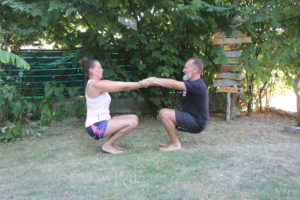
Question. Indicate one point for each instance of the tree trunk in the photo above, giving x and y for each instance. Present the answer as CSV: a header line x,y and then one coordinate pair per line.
x,y
250,92
267,99
260,96
296,89
235,2
298,110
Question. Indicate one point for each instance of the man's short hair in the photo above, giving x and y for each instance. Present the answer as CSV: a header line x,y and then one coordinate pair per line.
x,y
197,62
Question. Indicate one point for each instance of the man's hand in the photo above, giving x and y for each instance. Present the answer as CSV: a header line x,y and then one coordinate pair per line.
x,y
151,81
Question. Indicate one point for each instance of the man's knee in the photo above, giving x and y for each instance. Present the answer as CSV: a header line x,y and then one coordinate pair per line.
x,y
166,113
162,113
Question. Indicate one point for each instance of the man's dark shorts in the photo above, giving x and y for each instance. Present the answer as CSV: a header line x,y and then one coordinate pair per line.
x,y
187,122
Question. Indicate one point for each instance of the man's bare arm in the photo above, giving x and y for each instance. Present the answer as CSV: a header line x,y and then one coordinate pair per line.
x,y
169,83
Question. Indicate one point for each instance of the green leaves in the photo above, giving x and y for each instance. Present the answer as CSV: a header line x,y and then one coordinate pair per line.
x,y
10,58
10,133
54,106
14,107
34,8
169,32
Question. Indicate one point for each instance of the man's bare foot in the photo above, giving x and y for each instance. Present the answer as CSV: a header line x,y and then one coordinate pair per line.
x,y
163,144
170,147
107,148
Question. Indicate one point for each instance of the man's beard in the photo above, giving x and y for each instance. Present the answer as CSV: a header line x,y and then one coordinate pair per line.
x,y
187,77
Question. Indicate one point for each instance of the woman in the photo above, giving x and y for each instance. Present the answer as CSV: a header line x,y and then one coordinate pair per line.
x,y
98,122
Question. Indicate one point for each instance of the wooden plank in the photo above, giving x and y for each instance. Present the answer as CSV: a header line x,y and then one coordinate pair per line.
x,y
230,89
229,68
233,61
238,20
235,27
233,54
230,47
229,34
232,76
225,68
225,82
220,41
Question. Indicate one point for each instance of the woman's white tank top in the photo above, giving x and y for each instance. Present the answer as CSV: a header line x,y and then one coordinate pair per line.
x,y
97,108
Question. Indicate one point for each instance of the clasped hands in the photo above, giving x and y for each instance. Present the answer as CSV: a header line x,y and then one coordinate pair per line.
x,y
151,81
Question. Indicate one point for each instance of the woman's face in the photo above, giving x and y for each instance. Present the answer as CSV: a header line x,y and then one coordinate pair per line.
x,y
98,70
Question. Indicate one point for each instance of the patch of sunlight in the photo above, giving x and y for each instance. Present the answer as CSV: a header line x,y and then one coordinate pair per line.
x,y
286,101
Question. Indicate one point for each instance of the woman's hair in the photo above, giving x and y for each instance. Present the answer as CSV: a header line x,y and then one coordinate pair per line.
x,y
87,64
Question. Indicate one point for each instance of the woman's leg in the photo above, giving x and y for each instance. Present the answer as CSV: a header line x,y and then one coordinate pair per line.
x,y
130,116
117,127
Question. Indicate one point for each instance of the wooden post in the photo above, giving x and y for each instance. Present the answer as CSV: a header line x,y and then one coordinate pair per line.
x,y
228,106
232,106
234,2
230,75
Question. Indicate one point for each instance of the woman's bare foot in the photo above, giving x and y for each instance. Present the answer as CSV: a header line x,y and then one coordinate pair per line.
x,y
107,148
170,147
118,147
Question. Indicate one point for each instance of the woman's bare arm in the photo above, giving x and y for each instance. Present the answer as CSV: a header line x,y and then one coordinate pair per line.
x,y
115,86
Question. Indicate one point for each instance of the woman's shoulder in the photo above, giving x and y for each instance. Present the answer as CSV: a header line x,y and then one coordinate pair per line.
x,y
102,81
95,82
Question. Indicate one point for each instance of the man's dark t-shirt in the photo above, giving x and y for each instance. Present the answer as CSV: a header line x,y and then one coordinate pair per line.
x,y
195,101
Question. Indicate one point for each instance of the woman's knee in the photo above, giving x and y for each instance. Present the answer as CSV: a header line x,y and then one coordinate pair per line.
x,y
134,121
134,117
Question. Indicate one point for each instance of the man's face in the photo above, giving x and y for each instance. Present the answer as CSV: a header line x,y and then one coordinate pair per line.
x,y
188,70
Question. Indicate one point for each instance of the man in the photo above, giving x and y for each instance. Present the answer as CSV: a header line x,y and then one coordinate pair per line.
x,y
194,115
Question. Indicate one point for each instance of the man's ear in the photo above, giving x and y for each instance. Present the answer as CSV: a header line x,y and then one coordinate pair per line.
x,y
195,69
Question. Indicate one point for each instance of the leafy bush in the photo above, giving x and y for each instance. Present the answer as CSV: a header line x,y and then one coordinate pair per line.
x,y
55,106
16,110
14,107
10,133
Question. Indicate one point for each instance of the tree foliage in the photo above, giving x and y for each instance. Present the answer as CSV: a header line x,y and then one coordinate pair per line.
x,y
11,58
169,32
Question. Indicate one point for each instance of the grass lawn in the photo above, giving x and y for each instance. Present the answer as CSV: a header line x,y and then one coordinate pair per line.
x,y
247,158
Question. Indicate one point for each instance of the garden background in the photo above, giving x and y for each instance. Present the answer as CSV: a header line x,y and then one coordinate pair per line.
x,y
43,109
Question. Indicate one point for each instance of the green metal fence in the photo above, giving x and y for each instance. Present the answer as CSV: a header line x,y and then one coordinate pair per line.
x,y
47,66
61,67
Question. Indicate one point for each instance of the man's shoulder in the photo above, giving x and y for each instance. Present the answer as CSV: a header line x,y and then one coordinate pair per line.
x,y
197,86
197,82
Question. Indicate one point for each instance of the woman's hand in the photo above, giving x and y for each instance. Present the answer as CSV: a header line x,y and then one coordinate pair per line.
x,y
151,81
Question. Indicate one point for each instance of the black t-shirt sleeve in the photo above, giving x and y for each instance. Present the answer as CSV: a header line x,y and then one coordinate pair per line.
x,y
193,87
195,101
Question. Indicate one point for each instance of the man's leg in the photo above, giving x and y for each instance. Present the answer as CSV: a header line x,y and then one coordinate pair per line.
x,y
116,128
168,119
